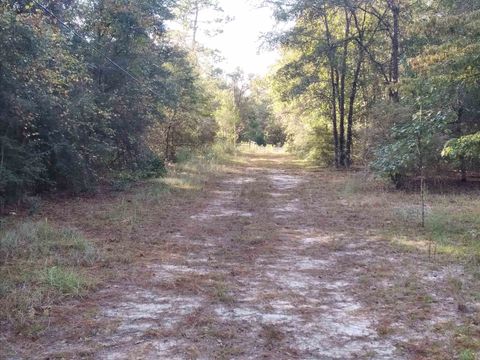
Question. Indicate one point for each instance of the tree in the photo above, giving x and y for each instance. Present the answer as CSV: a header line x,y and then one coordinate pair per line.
x,y
83,87
330,40
442,74
189,13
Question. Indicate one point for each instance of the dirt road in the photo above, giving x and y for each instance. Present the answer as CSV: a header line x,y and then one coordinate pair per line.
x,y
271,263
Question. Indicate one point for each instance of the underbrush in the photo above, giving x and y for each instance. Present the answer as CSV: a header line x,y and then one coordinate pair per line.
x,y
363,182
452,226
40,264
253,148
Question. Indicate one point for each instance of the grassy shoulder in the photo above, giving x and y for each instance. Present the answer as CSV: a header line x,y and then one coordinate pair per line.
x,y
69,247
448,245
452,219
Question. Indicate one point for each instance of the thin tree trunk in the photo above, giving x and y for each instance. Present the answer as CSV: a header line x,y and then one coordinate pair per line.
x,y
334,85
167,143
195,25
395,57
341,95
458,131
172,154
334,115
168,139
351,109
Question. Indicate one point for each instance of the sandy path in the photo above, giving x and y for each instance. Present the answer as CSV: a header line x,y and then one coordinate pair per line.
x,y
267,268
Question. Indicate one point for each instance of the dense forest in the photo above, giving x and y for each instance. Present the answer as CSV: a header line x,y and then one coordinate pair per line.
x,y
93,91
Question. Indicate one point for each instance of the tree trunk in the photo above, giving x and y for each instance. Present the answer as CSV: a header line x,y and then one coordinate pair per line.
x,y
351,109
341,95
167,143
395,57
335,87
459,133
195,25
334,115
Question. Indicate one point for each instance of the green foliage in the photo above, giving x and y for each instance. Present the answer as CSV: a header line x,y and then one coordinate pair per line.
x,y
413,146
441,74
467,355
70,118
246,114
342,70
466,147
228,118
152,167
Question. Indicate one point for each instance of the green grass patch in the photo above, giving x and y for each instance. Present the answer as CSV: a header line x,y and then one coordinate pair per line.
x,y
40,240
40,264
65,281
467,354
455,232
467,340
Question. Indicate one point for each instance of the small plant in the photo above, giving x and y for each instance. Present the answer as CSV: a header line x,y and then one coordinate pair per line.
x,y
467,355
221,293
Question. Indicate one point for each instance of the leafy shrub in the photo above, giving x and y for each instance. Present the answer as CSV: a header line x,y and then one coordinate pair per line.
x,y
152,167
413,146
465,148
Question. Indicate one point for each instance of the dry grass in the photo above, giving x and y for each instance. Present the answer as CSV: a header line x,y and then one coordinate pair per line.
x,y
450,239
452,223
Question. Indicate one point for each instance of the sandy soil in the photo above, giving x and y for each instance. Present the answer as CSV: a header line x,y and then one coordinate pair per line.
x,y
270,263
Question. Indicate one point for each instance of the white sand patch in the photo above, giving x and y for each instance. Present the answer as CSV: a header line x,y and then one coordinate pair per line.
x,y
240,181
165,309
444,273
277,194
283,181
316,240
169,272
252,314
293,281
299,263
222,206
284,210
